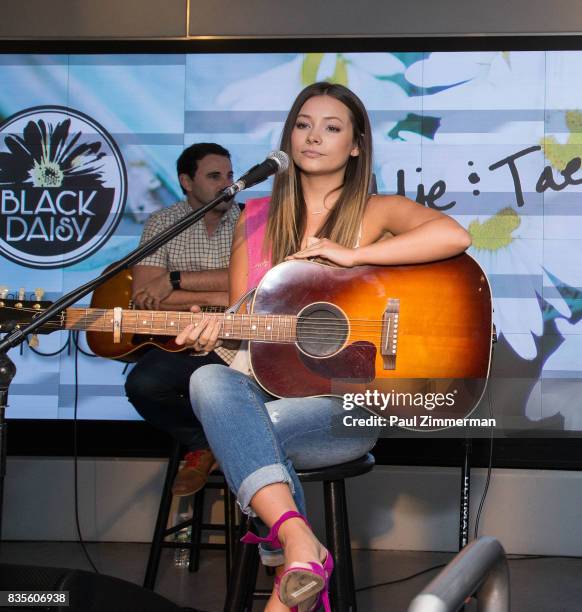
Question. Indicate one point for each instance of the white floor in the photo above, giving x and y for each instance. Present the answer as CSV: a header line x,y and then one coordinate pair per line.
x,y
537,585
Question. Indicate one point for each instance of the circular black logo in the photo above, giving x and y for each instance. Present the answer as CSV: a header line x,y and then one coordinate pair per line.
x,y
63,187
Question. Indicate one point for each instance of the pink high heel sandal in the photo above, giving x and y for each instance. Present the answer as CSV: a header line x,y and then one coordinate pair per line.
x,y
303,587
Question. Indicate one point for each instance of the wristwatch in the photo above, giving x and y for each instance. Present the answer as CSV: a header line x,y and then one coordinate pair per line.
x,y
175,278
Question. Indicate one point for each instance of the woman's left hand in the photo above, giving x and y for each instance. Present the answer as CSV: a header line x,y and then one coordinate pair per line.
x,y
201,336
326,249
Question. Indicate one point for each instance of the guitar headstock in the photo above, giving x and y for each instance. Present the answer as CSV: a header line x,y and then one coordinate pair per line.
x,y
19,308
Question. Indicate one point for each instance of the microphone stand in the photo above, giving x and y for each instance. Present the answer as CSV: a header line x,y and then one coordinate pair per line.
x,y
18,335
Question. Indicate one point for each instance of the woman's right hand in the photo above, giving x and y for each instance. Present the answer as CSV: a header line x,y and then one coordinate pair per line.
x,y
201,336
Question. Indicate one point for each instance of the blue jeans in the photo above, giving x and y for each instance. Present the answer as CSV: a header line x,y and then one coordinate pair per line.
x,y
259,440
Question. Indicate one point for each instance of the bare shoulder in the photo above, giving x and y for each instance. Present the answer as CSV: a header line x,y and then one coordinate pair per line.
x,y
379,204
383,208
376,221
397,214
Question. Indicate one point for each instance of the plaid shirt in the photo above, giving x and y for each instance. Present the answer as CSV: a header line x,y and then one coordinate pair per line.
x,y
192,250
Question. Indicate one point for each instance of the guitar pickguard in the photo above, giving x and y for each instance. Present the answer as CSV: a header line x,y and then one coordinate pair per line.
x,y
354,364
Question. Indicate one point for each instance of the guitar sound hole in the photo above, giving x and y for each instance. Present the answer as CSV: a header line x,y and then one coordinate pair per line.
x,y
322,329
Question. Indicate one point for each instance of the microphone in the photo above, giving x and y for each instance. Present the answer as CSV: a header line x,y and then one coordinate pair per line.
x,y
276,162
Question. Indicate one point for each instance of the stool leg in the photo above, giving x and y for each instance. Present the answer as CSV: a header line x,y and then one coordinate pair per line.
x,y
343,594
252,577
162,520
243,575
196,538
229,528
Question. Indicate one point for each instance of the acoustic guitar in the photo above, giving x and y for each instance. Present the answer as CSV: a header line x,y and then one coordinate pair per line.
x,y
116,292
402,331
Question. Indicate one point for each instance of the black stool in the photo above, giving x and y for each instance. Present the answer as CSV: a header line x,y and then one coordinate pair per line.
x,y
161,531
243,576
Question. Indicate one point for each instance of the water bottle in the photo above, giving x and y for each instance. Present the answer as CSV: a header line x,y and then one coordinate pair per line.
x,y
182,553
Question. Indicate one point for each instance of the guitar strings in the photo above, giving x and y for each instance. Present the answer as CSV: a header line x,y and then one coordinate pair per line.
x,y
307,331
366,328
341,330
362,326
319,341
130,314
282,329
282,336
282,339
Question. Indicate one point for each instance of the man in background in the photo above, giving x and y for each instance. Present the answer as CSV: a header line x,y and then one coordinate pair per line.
x,y
190,269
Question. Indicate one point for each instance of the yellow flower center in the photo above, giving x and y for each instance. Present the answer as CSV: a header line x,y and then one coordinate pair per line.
x,y
46,174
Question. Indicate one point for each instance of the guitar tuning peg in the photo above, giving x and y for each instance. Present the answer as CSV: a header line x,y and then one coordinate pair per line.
x,y
21,293
33,341
38,293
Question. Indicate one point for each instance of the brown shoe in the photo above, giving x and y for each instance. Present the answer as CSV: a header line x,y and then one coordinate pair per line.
x,y
193,475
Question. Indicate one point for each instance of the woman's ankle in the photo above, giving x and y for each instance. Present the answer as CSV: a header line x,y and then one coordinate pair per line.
x,y
294,528
300,544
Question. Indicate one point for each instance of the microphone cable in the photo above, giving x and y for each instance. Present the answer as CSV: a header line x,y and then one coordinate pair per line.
x,y
76,453
78,345
489,468
441,565
477,519
66,345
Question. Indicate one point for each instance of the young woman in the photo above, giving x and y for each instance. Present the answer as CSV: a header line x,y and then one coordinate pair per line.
x,y
319,208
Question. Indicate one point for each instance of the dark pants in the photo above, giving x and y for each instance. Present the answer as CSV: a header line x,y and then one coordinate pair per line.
x,y
157,386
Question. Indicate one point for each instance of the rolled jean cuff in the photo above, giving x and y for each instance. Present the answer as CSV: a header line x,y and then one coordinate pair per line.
x,y
268,474
271,558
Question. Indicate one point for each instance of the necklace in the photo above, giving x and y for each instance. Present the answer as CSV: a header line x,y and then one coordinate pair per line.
x,y
324,208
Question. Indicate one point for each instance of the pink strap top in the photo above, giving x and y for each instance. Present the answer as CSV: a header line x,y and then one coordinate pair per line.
x,y
256,215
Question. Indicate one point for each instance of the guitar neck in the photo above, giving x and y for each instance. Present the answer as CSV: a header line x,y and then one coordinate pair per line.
x,y
265,327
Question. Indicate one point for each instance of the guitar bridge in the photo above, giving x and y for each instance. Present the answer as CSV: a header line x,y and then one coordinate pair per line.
x,y
390,333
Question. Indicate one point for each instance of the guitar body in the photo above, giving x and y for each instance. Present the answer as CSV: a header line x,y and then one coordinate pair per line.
x,y
442,340
117,293
415,340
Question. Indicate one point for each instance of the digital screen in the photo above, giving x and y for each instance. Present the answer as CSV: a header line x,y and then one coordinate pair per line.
x,y
493,139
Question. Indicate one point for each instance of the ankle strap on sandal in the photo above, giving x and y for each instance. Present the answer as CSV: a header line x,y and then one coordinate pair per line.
x,y
272,537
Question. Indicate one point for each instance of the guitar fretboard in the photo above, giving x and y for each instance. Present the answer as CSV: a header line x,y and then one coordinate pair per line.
x,y
266,327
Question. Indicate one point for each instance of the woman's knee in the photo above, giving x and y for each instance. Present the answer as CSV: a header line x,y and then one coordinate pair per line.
x,y
207,377
220,390
206,385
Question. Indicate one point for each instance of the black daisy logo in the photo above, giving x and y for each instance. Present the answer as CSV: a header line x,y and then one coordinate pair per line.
x,y
48,156
62,187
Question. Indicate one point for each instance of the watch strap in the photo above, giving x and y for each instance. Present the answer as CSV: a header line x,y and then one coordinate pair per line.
x,y
175,278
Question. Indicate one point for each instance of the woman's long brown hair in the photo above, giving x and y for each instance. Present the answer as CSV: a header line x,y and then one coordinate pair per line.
x,y
288,213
